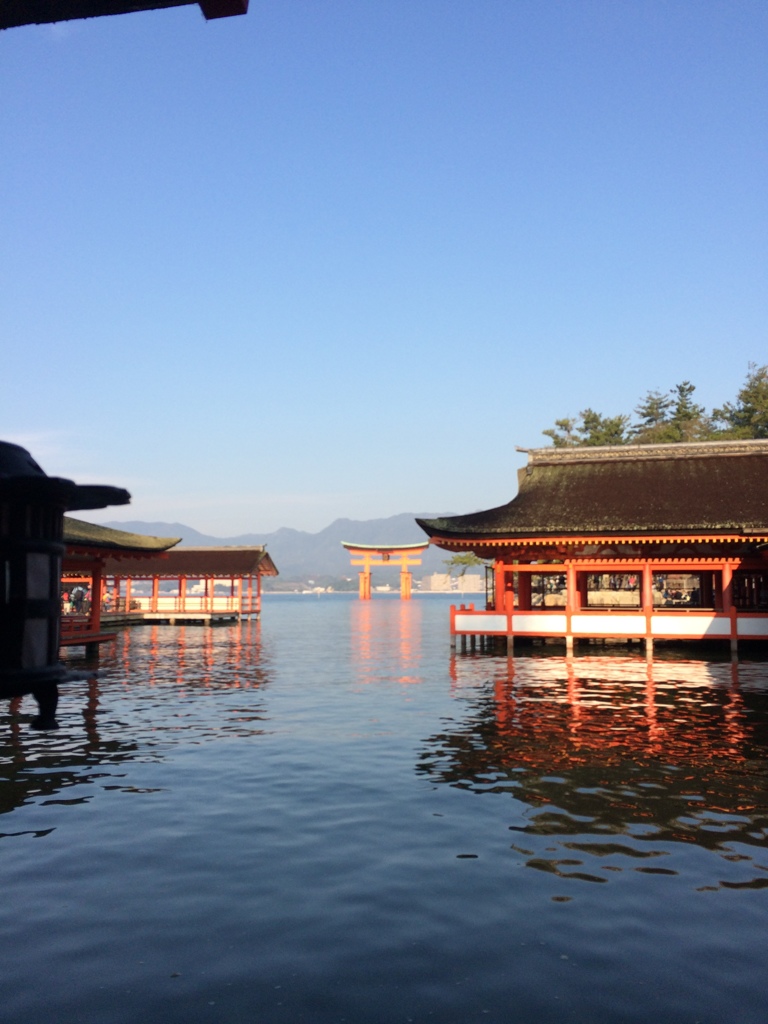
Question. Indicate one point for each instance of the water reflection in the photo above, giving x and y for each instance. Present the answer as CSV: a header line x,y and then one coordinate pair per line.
x,y
618,764
143,698
384,631
192,657
34,768
238,831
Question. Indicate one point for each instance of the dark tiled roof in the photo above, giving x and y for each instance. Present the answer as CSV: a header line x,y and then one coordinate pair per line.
x,y
717,487
224,562
80,534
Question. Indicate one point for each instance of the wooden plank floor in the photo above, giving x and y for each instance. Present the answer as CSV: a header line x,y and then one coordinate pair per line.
x,y
171,617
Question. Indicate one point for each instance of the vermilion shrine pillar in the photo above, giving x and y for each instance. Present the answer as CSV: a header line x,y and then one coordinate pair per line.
x,y
646,603
524,591
96,597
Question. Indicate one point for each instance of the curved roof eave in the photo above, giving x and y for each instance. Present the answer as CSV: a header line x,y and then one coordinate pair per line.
x,y
79,533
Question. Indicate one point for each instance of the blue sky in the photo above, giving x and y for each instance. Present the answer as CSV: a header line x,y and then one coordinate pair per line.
x,y
339,258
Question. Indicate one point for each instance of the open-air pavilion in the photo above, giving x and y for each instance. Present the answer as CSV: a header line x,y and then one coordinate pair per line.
x,y
87,549
191,576
632,543
104,564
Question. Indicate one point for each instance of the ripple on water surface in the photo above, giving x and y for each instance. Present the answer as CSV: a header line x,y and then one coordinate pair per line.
x,y
327,817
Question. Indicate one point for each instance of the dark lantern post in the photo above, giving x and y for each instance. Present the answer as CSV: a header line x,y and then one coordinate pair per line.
x,y
32,507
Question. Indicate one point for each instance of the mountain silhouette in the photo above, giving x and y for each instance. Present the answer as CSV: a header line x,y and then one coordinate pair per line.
x,y
297,553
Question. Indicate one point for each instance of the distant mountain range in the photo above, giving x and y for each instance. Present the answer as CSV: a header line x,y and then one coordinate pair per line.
x,y
302,555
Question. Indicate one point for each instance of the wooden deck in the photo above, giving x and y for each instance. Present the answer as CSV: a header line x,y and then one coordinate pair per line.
x,y
173,617
84,638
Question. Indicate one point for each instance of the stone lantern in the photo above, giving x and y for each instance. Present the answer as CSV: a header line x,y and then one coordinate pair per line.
x,y
32,507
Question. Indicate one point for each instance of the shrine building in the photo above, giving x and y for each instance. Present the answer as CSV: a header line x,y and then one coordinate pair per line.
x,y
88,547
630,542
236,571
101,567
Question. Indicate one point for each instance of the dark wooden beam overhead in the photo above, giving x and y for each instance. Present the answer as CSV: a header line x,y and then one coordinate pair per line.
x,y
14,13
223,8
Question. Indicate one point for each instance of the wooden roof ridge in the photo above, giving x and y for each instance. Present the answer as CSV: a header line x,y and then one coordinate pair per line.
x,y
198,562
78,533
552,455
222,547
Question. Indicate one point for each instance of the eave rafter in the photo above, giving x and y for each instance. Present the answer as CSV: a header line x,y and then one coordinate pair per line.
x,y
608,548
681,538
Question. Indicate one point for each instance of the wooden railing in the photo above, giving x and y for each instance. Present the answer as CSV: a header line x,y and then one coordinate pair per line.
x,y
142,604
672,623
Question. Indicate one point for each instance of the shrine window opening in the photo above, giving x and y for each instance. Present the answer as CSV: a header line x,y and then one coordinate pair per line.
x,y
750,590
548,590
686,590
612,590
537,590
490,588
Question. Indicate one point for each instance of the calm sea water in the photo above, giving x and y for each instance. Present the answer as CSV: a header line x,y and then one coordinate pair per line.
x,y
325,817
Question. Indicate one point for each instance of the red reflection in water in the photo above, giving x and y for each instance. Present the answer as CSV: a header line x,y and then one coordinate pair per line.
x,y
384,632
192,656
576,707
659,754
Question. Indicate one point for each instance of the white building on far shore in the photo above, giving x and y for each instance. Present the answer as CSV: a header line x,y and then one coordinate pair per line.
x,y
443,583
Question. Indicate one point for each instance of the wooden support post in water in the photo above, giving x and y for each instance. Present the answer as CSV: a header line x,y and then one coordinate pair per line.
x,y
729,606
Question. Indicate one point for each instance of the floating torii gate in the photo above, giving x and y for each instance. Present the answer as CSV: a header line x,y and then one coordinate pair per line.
x,y
368,555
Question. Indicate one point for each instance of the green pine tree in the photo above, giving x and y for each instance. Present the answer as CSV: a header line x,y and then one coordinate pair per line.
x,y
590,429
748,416
462,561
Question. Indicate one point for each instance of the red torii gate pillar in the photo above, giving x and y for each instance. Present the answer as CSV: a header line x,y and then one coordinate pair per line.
x,y
368,555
